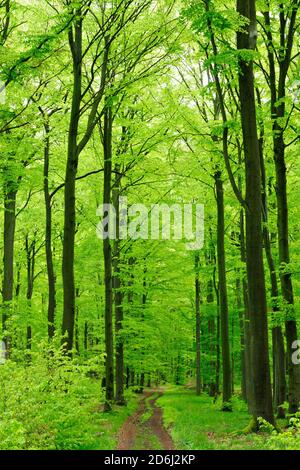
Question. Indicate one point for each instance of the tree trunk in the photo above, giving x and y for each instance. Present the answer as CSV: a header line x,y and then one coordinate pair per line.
x,y
212,337
30,255
198,325
227,389
118,300
109,362
69,196
279,381
48,239
8,260
259,349
240,308
249,384
285,274
287,33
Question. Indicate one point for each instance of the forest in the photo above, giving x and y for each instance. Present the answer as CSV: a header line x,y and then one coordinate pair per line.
x,y
150,246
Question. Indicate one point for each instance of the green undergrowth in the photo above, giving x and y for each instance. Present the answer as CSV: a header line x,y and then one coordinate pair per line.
x,y
197,423
56,404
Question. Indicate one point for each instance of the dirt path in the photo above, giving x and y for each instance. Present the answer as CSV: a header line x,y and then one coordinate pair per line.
x,y
145,429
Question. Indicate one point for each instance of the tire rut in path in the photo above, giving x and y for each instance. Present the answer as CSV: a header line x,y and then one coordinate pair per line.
x,y
135,428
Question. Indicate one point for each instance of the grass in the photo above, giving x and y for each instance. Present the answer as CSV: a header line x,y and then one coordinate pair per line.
x,y
196,423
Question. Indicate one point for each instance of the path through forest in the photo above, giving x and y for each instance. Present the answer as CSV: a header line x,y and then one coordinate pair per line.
x,y
145,429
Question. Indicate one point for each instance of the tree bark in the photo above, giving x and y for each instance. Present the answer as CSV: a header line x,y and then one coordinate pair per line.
x,y
198,325
240,308
48,238
10,194
279,381
278,112
259,348
69,196
249,384
227,389
118,298
109,362
30,255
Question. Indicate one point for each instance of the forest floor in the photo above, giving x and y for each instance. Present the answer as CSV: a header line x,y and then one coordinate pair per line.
x,y
197,423
66,413
145,428
175,418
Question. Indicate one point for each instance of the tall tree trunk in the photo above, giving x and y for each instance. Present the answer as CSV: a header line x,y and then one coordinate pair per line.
x,y
213,389
278,113
142,352
259,348
30,255
69,196
10,194
48,238
198,325
109,362
279,381
77,339
218,351
118,298
285,273
249,383
240,308
227,389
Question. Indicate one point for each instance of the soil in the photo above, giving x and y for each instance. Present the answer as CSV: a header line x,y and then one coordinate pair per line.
x,y
140,432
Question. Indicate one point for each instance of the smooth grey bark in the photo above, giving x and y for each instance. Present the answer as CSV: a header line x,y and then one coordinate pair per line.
x,y
279,358
198,325
223,300
240,307
249,384
107,254
30,257
48,237
10,194
118,296
69,190
259,348
278,112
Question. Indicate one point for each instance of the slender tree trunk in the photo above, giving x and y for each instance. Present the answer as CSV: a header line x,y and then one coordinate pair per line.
x,y
77,344
86,336
287,34
259,348
240,308
212,336
48,239
30,254
218,361
285,273
198,325
223,295
279,381
144,301
212,356
249,383
8,260
109,363
118,299
69,196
